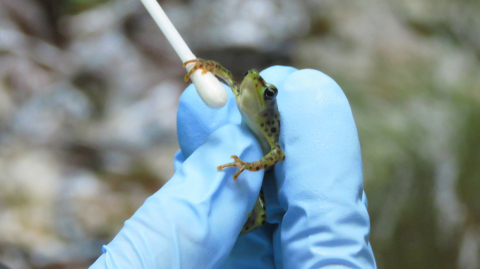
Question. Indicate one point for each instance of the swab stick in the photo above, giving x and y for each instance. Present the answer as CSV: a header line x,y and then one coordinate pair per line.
x,y
208,87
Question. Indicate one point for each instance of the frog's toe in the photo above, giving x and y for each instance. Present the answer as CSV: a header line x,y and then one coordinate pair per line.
x,y
237,163
220,167
187,76
190,61
240,170
236,159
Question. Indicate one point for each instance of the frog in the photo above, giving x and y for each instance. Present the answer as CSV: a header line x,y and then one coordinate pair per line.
x,y
256,101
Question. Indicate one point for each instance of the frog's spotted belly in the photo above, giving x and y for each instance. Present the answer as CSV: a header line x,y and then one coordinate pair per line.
x,y
258,106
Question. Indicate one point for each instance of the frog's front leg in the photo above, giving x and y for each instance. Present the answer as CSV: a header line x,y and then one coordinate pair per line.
x,y
274,156
216,69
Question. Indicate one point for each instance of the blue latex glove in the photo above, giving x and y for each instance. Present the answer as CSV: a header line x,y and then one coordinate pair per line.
x,y
316,206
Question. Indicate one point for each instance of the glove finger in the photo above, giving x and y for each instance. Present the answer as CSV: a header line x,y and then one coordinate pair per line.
x,y
194,220
320,184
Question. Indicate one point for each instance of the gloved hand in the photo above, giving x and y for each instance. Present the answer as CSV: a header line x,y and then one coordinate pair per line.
x,y
316,207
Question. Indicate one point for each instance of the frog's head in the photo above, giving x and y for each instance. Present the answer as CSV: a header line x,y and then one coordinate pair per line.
x,y
256,96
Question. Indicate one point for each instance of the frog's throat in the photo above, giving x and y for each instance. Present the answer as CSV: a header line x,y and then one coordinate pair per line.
x,y
258,134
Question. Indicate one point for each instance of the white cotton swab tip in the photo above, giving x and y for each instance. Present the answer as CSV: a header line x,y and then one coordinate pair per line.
x,y
208,87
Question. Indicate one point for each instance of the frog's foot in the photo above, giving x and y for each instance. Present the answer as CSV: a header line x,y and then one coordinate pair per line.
x,y
238,163
257,217
206,66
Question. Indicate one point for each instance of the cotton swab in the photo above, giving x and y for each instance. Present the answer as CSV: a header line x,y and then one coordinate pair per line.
x,y
208,87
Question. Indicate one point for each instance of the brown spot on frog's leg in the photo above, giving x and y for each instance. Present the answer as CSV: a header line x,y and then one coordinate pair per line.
x,y
274,130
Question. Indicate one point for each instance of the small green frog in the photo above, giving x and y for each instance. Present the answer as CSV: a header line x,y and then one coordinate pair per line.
x,y
258,107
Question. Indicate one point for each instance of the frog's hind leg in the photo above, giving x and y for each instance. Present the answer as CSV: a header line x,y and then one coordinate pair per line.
x,y
257,217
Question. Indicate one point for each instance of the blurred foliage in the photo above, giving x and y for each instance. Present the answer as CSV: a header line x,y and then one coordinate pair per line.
x,y
88,94
77,6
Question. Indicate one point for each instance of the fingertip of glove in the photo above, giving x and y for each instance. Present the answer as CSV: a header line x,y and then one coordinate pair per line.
x,y
277,74
316,84
313,95
318,124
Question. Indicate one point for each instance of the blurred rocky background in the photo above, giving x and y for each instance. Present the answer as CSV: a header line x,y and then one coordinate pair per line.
x,y
89,91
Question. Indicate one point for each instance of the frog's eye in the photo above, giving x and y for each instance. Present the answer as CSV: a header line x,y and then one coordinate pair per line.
x,y
270,92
